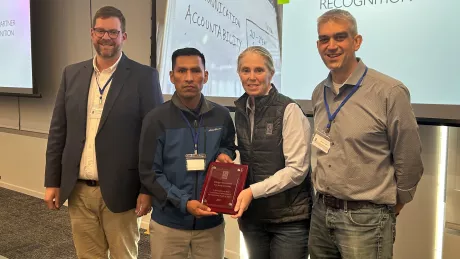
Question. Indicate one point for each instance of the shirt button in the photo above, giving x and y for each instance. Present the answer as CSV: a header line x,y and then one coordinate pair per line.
x,y
329,165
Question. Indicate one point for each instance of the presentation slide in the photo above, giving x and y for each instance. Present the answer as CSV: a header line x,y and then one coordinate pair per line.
x,y
414,41
221,30
410,40
15,47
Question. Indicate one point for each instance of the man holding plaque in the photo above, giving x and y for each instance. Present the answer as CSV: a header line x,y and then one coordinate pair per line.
x,y
274,140
178,141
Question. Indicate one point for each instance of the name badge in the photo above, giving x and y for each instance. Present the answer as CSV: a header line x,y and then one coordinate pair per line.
x,y
96,112
322,141
195,162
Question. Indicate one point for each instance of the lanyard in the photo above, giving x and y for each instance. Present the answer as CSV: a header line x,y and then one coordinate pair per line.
x,y
101,90
330,116
195,134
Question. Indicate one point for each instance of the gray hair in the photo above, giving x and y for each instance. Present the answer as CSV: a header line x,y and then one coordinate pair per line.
x,y
339,15
262,52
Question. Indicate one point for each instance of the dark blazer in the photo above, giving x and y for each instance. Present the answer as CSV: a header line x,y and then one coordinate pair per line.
x,y
135,90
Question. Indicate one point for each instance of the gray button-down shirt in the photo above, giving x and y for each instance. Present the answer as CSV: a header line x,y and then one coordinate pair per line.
x,y
375,149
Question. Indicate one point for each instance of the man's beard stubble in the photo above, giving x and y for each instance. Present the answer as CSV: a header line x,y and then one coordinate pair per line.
x,y
112,54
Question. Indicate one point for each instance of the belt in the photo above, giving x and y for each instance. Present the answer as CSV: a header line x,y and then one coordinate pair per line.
x,y
89,182
336,203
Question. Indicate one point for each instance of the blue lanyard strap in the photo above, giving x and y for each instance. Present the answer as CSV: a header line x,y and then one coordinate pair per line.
x,y
195,134
101,90
330,116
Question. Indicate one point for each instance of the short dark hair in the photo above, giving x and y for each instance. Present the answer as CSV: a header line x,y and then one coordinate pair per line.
x,y
187,52
110,11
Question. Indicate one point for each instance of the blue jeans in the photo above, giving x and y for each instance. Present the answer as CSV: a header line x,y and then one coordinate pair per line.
x,y
276,240
368,232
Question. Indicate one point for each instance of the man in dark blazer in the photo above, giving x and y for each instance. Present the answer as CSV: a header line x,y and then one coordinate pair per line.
x,y
93,143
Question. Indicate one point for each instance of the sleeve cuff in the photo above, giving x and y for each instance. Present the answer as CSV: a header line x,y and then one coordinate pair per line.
x,y
232,155
144,190
183,204
257,190
405,196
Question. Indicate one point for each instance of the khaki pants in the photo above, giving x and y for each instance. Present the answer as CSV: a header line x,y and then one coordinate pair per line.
x,y
170,243
97,231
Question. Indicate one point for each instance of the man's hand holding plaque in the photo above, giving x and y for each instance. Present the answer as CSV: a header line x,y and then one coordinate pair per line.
x,y
198,209
224,182
224,158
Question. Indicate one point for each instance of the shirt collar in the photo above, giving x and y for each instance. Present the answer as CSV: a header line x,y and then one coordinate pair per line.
x,y
197,110
248,106
205,105
110,69
352,79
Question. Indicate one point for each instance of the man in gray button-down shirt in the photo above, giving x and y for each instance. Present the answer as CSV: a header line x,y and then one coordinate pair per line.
x,y
368,152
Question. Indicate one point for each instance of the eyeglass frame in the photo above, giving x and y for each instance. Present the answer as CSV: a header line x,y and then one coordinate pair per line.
x,y
97,31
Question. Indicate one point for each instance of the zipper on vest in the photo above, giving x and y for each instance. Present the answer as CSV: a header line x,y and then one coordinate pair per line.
x,y
250,134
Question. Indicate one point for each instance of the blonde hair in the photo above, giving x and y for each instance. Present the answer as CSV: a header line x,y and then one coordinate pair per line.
x,y
262,52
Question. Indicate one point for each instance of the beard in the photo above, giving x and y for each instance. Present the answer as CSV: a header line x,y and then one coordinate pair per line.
x,y
104,53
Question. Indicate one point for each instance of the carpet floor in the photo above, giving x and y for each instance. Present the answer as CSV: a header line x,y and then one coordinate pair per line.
x,y
28,230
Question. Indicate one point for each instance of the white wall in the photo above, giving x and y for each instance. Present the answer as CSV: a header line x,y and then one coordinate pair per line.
x,y
452,228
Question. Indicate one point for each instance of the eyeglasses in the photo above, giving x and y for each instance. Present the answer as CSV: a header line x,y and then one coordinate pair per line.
x,y
113,34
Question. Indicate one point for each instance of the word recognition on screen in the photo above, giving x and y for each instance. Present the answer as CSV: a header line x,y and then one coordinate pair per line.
x,y
413,41
221,30
15,47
